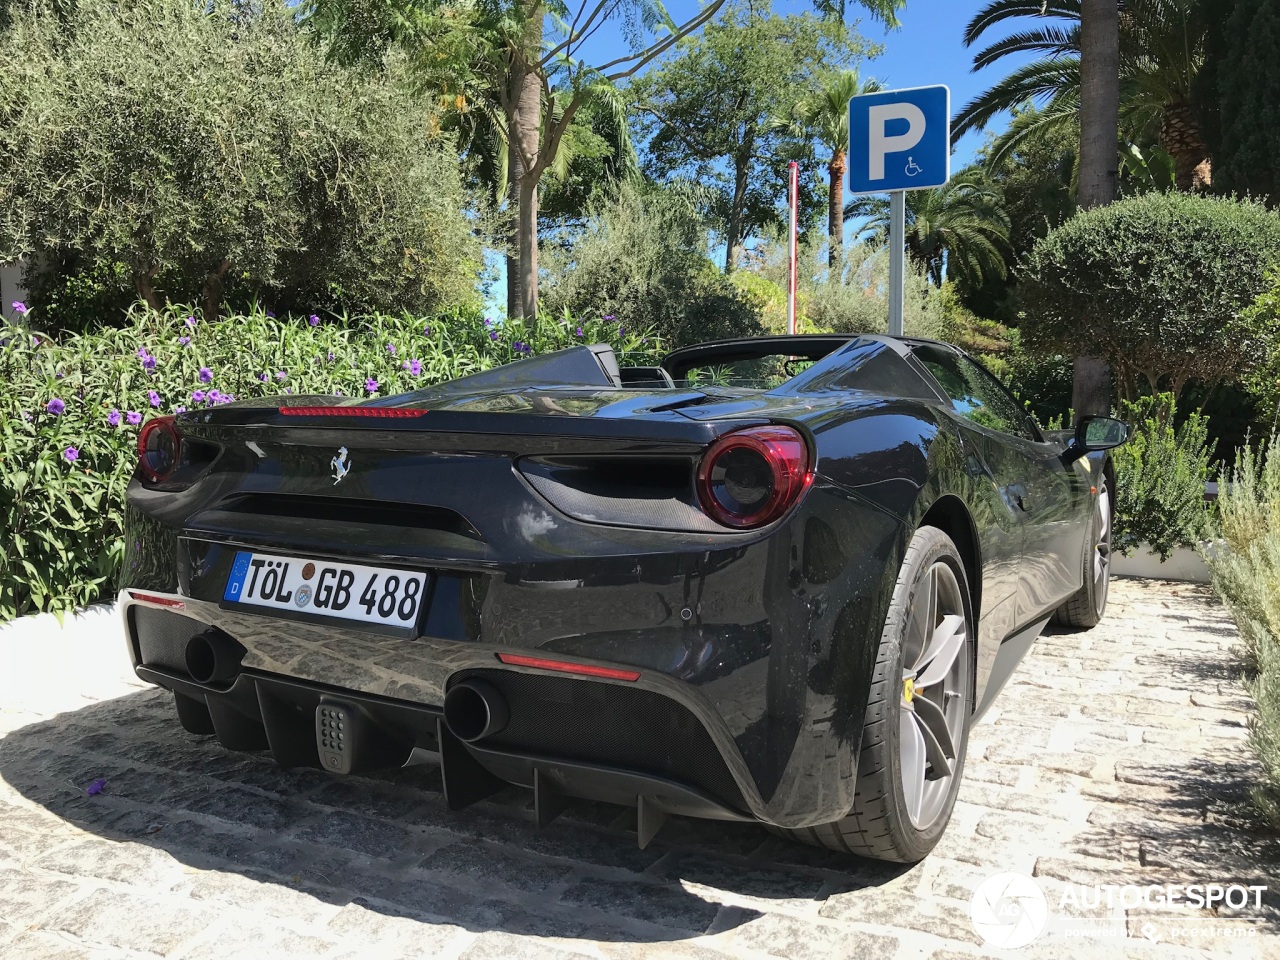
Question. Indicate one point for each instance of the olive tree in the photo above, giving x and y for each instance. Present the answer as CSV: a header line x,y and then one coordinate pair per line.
x,y
1157,285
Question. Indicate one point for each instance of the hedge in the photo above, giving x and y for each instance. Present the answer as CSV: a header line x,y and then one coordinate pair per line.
x,y
70,411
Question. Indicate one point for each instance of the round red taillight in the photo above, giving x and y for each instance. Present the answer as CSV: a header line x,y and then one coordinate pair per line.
x,y
159,449
752,477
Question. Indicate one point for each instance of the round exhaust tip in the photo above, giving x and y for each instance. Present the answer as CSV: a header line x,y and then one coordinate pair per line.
x,y
475,709
213,657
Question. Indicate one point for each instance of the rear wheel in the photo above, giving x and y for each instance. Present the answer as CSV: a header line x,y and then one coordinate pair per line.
x,y
1086,608
917,721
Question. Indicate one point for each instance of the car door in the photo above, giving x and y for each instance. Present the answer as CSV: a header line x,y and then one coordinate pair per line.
x,y
1037,487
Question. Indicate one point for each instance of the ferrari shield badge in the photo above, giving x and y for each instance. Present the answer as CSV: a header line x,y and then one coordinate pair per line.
x,y
341,465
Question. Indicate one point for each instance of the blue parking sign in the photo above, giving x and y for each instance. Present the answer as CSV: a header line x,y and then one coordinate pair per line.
x,y
900,140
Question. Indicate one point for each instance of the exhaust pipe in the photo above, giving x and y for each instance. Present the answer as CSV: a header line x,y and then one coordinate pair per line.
x,y
213,657
475,709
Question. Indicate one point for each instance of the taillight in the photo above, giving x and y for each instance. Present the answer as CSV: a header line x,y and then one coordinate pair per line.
x,y
752,477
159,449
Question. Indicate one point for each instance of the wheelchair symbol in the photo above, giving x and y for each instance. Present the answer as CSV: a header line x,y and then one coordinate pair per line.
x,y
913,169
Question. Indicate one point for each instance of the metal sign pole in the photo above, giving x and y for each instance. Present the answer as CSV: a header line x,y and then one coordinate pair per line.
x,y
897,259
791,247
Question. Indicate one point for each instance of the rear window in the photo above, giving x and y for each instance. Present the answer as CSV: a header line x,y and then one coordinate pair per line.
x,y
757,373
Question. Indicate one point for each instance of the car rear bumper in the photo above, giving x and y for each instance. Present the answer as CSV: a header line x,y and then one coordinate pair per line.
x,y
754,659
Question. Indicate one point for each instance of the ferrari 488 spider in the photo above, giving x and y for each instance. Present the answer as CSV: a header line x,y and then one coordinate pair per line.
x,y
770,580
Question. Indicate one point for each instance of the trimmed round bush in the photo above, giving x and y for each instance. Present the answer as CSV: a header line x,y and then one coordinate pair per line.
x,y
1156,285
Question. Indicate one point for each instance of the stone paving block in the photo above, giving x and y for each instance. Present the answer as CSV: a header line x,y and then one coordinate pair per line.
x,y
898,911
779,887
667,905
796,938
491,945
131,920
486,864
24,896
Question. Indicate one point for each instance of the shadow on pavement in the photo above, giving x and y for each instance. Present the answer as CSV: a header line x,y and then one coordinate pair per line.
x,y
389,844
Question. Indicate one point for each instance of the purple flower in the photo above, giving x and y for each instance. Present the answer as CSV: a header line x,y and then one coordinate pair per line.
x,y
19,307
206,375
149,364
493,335
426,331
280,374
71,454
153,398
113,418
414,367
56,407
579,331
339,393
184,340
522,347
179,409
331,355
264,377
270,314
197,396
621,329
608,316
215,396
488,322
313,320
26,416
190,321
391,349
371,385
133,417
59,375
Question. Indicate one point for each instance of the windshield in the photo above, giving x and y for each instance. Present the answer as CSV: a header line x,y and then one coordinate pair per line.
x,y
756,373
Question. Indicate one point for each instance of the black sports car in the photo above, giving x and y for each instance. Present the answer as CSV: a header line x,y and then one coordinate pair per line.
x,y
771,580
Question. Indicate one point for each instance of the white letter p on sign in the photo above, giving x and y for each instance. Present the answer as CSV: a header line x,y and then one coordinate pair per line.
x,y
879,144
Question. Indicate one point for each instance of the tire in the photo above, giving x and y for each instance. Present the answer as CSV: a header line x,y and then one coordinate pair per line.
x,y
1087,607
881,824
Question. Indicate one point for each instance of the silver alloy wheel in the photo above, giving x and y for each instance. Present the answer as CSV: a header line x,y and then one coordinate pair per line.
x,y
936,666
1102,549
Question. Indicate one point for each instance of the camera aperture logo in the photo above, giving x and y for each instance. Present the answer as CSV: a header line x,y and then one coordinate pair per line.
x,y
1008,910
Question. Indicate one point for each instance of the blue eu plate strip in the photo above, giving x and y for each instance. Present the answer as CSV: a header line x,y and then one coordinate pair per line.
x,y
239,570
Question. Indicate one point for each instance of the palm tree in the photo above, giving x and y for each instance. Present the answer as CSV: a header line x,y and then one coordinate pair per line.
x,y
962,226
824,115
1161,48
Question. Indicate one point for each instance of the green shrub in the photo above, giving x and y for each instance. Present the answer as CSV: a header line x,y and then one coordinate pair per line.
x,y
204,151
642,259
68,411
1246,573
1156,285
1160,475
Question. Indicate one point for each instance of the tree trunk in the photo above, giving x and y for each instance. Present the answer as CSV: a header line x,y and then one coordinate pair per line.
x,y
1099,161
835,210
513,243
211,295
524,133
144,284
1181,137
733,238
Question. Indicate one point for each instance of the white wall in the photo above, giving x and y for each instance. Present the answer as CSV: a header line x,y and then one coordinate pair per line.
x,y
11,287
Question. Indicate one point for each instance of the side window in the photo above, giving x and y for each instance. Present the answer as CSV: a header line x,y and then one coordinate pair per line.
x,y
976,394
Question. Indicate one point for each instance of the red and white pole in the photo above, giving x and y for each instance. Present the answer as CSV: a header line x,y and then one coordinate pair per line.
x,y
795,229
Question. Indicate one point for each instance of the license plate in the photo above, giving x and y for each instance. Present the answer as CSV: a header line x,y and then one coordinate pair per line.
x,y
349,591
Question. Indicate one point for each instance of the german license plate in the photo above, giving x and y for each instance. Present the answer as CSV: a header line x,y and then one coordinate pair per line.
x,y
350,591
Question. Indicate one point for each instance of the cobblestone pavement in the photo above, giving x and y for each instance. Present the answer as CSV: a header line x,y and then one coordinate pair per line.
x,y
1116,756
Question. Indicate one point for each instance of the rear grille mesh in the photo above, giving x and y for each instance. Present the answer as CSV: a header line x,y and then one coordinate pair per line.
x,y
609,724
162,637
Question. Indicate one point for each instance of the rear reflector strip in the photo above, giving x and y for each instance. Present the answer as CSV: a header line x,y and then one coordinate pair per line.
x,y
560,666
387,412
159,601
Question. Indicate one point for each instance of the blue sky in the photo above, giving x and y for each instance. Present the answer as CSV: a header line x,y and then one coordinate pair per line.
x,y
927,49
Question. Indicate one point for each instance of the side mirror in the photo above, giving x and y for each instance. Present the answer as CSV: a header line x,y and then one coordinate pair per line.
x,y
1097,433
